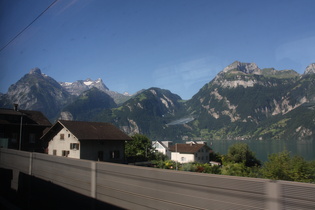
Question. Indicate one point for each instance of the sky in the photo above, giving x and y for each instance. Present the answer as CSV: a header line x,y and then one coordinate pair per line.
x,y
179,45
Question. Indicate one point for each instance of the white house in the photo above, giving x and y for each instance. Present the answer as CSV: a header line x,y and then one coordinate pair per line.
x,y
192,152
162,147
86,140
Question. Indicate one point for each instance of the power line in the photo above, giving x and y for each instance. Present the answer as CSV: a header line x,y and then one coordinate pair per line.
x,y
27,26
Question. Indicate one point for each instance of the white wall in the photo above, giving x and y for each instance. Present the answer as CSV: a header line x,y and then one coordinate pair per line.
x,y
57,144
158,147
182,158
202,156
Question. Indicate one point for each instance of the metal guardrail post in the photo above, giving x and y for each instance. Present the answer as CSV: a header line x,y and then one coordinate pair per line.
x,y
93,179
30,167
273,195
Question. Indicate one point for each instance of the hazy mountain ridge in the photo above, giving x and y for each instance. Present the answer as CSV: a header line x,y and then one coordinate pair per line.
x,y
147,113
78,87
87,104
241,102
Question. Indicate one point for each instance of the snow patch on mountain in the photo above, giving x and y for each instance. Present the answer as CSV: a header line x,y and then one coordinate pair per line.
x,y
80,86
88,83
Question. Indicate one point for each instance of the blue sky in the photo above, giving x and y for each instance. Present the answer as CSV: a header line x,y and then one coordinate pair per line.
x,y
178,45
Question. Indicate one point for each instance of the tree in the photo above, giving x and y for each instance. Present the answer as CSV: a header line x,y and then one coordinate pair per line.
x,y
240,161
281,166
235,169
158,156
240,153
139,149
215,156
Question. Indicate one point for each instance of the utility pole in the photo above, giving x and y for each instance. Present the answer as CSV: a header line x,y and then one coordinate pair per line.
x,y
21,125
176,155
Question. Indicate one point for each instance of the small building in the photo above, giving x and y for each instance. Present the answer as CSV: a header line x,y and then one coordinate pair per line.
x,y
162,147
22,129
192,152
215,163
86,140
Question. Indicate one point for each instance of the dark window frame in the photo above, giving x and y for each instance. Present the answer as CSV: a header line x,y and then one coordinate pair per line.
x,y
74,146
114,154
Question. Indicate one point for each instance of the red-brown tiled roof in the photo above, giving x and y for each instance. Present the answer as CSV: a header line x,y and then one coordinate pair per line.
x,y
89,130
36,117
187,148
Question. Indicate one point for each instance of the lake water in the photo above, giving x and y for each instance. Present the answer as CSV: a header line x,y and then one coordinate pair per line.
x,y
263,148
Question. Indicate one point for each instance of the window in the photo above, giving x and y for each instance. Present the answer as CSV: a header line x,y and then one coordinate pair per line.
x,y
14,137
100,155
114,154
68,135
74,146
62,136
54,152
32,138
65,153
2,131
183,159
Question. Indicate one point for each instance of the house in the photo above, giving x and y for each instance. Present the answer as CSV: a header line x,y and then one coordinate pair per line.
x,y
86,140
162,147
22,129
192,152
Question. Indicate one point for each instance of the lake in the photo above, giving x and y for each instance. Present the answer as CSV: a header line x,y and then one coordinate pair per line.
x,y
263,148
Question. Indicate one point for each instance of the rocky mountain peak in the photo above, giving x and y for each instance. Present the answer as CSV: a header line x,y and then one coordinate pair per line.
x,y
224,80
37,91
247,68
35,70
310,69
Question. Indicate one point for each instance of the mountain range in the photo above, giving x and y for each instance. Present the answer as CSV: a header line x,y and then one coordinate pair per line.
x,y
241,102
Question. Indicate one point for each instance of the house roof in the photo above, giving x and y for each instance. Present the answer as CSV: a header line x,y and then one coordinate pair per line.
x,y
187,148
159,142
87,130
31,117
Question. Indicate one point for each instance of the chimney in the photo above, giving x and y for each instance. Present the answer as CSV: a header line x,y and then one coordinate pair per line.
x,y
16,107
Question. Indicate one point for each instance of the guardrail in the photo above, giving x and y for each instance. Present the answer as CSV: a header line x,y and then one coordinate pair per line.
x,y
134,187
